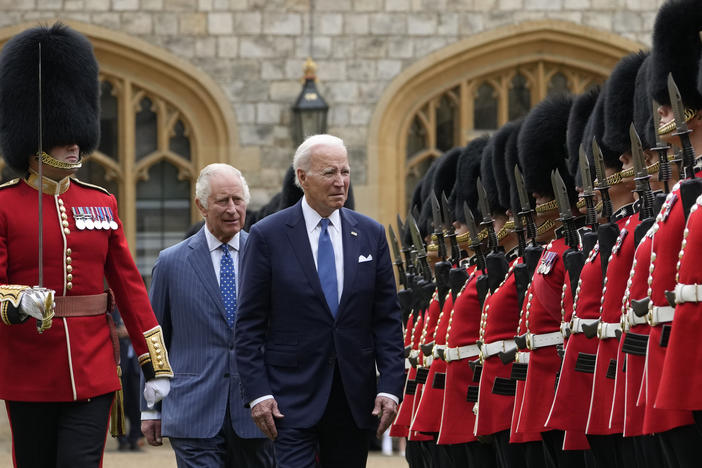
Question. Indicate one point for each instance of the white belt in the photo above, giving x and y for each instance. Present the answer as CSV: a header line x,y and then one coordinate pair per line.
x,y
462,352
408,365
522,357
608,330
576,324
688,293
634,319
427,361
658,315
435,351
497,347
543,340
565,329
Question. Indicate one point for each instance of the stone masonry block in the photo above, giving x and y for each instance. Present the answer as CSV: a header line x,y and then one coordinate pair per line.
x,y
421,24
388,24
220,23
165,24
282,24
371,47
205,46
121,5
193,23
227,46
136,23
356,24
329,24
248,22
388,69
367,5
397,5
268,113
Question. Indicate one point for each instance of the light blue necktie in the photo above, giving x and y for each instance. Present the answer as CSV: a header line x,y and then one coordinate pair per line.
x,y
227,284
326,267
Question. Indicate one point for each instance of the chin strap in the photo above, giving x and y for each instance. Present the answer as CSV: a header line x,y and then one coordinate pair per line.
x,y
53,162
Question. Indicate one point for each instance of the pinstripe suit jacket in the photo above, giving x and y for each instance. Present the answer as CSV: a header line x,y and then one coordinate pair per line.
x,y
187,301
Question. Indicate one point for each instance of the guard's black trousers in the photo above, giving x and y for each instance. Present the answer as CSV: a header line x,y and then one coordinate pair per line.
x,y
59,434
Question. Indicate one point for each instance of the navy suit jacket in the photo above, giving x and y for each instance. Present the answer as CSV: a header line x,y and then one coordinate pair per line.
x,y
188,304
288,342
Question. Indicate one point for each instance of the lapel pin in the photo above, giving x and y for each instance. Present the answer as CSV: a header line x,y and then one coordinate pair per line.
x,y
354,233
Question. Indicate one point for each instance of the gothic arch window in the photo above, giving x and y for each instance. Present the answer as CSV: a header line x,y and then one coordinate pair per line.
x,y
162,120
491,77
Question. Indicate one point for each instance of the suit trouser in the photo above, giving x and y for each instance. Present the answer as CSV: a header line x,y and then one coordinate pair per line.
x,y
225,449
59,434
334,442
680,446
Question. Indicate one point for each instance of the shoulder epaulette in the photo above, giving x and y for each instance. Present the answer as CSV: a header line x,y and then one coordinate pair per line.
x,y
10,183
87,185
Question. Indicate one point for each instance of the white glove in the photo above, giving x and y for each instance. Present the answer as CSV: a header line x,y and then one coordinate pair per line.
x,y
156,390
35,300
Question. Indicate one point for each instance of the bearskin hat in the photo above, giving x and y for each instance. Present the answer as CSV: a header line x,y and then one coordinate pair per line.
x,y
595,129
467,173
69,93
512,160
542,145
676,49
445,174
498,174
643,107
619,100
577,120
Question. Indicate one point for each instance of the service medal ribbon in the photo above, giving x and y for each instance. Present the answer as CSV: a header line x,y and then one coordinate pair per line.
x,y
96,217
89,224
113,223
78,218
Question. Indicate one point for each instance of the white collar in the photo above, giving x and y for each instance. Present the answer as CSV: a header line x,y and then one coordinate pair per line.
x,y
312,218
213,243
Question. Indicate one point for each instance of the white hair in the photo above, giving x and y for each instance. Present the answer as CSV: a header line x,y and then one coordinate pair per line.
x,y
203,188
301,160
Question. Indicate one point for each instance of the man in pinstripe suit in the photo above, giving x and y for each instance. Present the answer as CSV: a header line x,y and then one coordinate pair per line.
x,y
193,293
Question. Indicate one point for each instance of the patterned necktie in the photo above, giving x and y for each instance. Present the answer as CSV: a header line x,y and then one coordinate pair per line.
x,y
227,284
326,267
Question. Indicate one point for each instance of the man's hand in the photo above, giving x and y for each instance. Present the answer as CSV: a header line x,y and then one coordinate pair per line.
x,y
263,413
385,409
152,431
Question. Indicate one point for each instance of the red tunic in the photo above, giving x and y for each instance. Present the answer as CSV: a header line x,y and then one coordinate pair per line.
x,y
404,413
680,377
612,293
74,359
664,259
395,429
502,319
544,315
428,416
457,419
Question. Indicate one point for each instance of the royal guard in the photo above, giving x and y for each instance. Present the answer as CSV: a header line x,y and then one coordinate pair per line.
x,y
59,370
575,382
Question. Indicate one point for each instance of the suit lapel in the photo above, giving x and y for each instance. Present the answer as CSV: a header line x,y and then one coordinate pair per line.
x,y
350,235
201,261
300,246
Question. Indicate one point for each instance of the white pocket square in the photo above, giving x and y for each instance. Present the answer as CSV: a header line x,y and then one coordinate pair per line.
x,y
362,259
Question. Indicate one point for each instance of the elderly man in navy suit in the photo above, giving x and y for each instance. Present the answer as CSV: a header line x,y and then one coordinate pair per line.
x,y
318,314
194,295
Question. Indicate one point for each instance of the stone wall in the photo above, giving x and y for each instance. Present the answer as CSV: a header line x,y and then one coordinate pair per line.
x,y
255,49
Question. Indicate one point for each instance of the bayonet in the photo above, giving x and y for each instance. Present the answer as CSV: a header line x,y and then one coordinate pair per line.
x,y
526,212
588,192
419,247
664,172
438,225
475,244
487,221
397,257
560,193
403,230
641,176
681,129
450,231
602,184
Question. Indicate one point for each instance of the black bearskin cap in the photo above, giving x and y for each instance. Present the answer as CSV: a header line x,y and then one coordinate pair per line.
x,y
542,145
676,49
619,102
511,160
467,173
577,120
595,128
498,174
643,107
445,173
291,193
70,93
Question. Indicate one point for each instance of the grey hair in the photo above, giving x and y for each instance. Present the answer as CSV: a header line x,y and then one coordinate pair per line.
x,y
301,160
202,186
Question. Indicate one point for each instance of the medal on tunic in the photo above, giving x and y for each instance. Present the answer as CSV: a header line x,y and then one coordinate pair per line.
x,y
89,224
547,261
103,217
113,223
96,217
78,218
